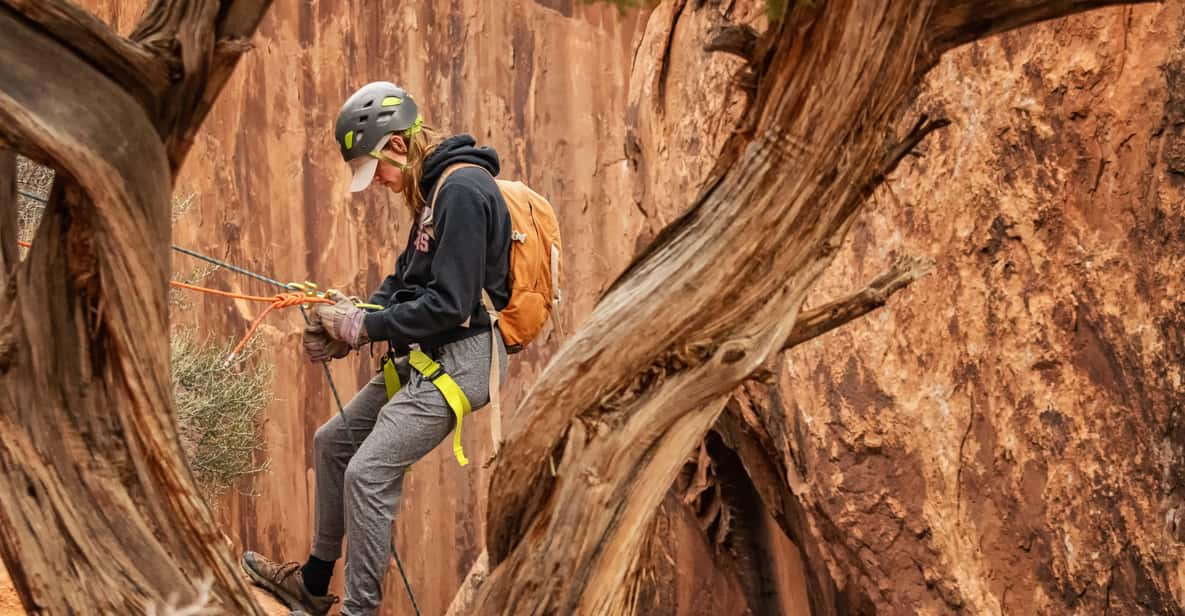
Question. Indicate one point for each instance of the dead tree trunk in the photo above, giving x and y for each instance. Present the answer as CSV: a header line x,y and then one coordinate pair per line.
x,y
9,254
625,401
98,511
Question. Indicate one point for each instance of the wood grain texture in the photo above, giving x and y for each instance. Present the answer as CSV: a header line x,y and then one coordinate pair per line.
x,y
204,40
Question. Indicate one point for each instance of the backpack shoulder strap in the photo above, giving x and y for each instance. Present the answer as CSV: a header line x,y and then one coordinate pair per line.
x,y
495,381
444,176
425,221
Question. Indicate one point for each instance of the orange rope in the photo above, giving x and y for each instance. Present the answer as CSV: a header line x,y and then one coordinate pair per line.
x,y
283,300
280,300
250,298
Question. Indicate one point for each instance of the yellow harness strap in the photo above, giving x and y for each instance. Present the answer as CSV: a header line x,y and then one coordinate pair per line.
x,y
392,383
450,390
390,378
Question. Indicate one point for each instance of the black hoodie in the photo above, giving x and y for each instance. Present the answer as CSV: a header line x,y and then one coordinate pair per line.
x,y
438,279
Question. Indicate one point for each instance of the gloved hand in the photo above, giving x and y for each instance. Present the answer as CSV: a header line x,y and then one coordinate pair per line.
x,y
338,296
342,321
320,348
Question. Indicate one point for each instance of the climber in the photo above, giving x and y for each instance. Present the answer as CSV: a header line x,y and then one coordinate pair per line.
x,y
432,301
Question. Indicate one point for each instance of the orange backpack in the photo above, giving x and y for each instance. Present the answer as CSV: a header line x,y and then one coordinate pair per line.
x,y
535,250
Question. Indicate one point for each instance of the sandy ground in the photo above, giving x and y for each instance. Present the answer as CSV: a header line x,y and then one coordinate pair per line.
x,y
10,605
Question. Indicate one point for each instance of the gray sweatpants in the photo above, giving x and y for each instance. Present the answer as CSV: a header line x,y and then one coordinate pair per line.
x,y
358,494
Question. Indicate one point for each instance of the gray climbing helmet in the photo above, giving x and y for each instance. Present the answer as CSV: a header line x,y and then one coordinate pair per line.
x,y
376,110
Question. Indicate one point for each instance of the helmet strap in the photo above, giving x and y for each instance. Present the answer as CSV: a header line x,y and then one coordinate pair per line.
x,y
390,161
415,128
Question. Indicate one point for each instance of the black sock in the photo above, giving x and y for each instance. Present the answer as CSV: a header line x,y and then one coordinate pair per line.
x,y
316,574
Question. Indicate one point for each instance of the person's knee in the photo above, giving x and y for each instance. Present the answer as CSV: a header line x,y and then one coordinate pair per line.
x,y
326,437
356,477
368,479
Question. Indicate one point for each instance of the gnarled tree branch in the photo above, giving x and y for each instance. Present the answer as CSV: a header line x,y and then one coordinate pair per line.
x,y
634,390
9,254
957,22
207,38
136,69
903,148
818,321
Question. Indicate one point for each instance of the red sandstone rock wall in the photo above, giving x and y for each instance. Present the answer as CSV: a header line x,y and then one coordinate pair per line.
x,y
1005,436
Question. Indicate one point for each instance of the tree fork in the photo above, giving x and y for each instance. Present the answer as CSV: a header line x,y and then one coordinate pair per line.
x,y
635,389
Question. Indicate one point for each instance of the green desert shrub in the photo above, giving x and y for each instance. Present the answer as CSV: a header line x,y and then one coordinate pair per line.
x,y
218,409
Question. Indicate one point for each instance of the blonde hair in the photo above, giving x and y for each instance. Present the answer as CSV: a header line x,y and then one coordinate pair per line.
x,y
420,145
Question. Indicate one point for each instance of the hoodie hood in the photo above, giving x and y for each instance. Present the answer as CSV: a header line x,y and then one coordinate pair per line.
x,y
456,149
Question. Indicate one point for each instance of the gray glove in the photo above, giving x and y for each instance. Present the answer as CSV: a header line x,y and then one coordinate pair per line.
x,y
342,321
319,347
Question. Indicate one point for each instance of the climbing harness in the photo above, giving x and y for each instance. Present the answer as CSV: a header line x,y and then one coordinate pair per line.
x,y
434,373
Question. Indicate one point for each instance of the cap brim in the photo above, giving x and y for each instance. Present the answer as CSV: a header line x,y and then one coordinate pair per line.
x,y
364,169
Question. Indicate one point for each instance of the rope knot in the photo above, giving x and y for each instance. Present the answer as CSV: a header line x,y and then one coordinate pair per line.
x,y
286,300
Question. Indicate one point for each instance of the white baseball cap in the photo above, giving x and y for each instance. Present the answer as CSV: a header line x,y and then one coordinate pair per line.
x,y
365,166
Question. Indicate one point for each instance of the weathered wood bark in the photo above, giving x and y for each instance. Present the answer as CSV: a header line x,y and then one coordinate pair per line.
x,y
628,397
98,511
9,254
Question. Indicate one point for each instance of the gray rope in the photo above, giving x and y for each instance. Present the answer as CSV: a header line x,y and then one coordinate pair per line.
x,y
233,268
32,196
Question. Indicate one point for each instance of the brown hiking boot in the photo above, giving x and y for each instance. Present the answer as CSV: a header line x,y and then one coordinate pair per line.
x,y
286,583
